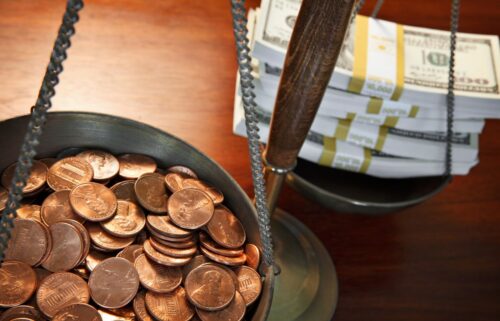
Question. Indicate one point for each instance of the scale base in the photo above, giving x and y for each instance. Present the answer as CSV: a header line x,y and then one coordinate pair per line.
x,y
307,287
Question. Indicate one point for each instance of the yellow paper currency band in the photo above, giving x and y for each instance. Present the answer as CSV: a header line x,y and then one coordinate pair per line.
x,y
342,129
366,161
374,105
391,121
328,154
351,116
360,55
400,63
382,135
413,111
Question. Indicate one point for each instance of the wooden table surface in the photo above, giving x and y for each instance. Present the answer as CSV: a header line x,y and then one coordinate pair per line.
x,y
171,64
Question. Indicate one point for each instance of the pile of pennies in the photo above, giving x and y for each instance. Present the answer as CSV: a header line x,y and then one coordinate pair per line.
x,y
100,237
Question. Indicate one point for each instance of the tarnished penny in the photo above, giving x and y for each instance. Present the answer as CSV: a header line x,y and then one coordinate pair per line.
x,y
177,245
59,290
173,181
216,195
94,258
131,252
29,212
190,208
125,191
128,220
92,201
17,283
235,311
4,195
22,313
77,312
68,173
208,243
172,251
104,165
29,242
134,165
210,287
186,171
105,240
140,309
67,248
249,284
152,193
161,258
193,264
163,225
156,277
172,306
36,180
85,237
253,255
226,260
113,283
226,229
56,208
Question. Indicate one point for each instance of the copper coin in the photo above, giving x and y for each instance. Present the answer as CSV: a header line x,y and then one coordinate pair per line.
x,y
156,277
249,284
210,287
104,165
125,313
140,307
125,191
131,252
108,315
183,170
233,312
22,313
226,260
172,251
85,237
29,212
56,208
172,306
216,195
152,193
226,229
105,240
36,180
68,173
168,238
129,220
4,195
17,283
61,289
48,161
94,258
67,248
113,283
93,201
29,242
134,165
193,264
176,245
253,256
190,208
209,244
161,258
173,181
77,312
163,225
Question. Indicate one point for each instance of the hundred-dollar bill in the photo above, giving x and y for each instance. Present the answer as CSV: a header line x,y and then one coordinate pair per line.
x,y
393,61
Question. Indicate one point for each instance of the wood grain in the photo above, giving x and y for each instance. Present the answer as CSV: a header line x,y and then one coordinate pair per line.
x,y
172,64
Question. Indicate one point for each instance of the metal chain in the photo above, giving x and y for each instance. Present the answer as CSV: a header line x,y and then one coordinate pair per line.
x,y
377,8
37,120
251,121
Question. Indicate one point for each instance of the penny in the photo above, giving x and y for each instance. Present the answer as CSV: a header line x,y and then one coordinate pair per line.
x,y
190,208
216,195
36,180
226,229
59,290
104,165
177,245
29,242
17,283
56,208
179,169
113,283
253,256
107,241
156,277
85,237
161,258
94,258
152,193
134,165
139,305
48,161
235,311
154,233
209,244
77,312
249,284
67,248
163,225
29,212
131,252
68,173
125,191
125,313
210,287
172,306
193,264
128,220
174,181
108,315
226,260
22,313
172,251
4,195
93,201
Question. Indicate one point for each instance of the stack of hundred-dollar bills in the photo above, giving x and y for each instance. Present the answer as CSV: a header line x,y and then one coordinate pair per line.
x,y
384,112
